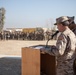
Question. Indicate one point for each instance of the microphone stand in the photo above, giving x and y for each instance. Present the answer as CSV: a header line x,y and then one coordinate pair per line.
x,y
46,46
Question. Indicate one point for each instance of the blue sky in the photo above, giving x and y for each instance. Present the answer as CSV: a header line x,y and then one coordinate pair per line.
x,y
36,13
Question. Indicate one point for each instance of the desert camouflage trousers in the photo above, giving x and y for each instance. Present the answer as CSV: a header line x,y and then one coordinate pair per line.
x,y
65,68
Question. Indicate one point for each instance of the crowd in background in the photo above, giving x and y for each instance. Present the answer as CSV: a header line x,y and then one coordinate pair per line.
x,y
24,36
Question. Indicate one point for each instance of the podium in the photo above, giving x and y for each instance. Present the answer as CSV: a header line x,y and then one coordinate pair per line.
x,y
35,62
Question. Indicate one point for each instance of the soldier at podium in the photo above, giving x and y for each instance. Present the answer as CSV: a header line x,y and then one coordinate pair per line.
x,y
64,49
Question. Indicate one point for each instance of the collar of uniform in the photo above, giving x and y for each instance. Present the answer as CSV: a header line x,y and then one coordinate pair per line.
x,y
66,31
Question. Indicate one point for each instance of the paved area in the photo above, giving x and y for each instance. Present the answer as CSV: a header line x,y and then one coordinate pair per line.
x,y
10,55
10,65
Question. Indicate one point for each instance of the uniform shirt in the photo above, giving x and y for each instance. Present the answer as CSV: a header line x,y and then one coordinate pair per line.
x,y
74,64
65,52
74,30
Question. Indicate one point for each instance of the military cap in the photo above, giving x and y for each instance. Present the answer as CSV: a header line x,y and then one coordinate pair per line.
x,y
61,19
71,19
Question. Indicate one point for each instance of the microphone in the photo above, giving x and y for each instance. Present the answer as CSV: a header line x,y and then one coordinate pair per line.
x,y
52,36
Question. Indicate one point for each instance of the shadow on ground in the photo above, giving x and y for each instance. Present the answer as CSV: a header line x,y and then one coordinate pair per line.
x,y
10,65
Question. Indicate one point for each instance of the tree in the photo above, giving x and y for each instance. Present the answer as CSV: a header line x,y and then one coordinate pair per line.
x,y
2,17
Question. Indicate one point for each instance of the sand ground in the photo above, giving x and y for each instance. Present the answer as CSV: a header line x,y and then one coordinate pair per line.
x,y
10,55
13,47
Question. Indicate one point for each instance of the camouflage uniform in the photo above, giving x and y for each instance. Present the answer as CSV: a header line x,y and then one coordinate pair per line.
x,y
74,64
74,30
65,52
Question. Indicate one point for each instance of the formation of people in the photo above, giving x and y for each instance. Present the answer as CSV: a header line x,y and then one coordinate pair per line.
x,y
21,36
17,35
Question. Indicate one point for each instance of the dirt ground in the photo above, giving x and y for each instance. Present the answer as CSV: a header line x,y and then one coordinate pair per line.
x,y
10,55
13,47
